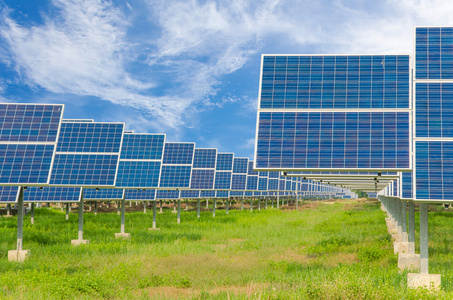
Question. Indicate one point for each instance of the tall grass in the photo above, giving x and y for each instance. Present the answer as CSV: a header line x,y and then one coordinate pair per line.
x,y
340,251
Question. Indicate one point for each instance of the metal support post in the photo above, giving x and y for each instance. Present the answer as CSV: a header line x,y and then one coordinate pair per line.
x,y
278,200
20,219
123,215
198,208
154,214
411,235
227,205
424,238
404,237
251,204
67,211
144,207
242,203
179,212
95,208
32,213
214,207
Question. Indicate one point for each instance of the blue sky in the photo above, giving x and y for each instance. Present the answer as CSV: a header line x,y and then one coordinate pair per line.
x,y
188,68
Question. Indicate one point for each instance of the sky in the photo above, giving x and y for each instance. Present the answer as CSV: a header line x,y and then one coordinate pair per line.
x,y
189,69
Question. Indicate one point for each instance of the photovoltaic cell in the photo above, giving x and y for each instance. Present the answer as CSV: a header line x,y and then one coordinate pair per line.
x,y
84,170
52,194
191,194
30,122
252,183
238,182
202,179
222,194
273,184
333,140
90,137
205,158
262,184
140,195
222,180
9,194
170,194
224,161
143,146
237,193
240,165
103,194
208,194
406,185
25,163
175,176
356,81
434,53
138,174
179,153
250,169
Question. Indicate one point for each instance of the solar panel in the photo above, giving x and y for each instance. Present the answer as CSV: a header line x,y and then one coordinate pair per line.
x,y
250,169
273,184
238,182
224,161
305,120
433,53
205,158
103,194
179,153
252,183
406,185
167,194
262,183
190,194
208,194
240,165
77,120
222,194
140,195
9,194
433,128
87,154
53,194
138,174
176,169
28,136
202,179
237,193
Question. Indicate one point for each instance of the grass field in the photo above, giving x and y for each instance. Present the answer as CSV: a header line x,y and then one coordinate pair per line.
x,y
321,251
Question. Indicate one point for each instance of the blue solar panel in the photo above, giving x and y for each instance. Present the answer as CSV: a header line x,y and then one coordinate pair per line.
x,y
434,53
248,193
222,194
224,161
222,180
143,146
263,174
250,169
179,153
190,194
237,193
262,184
274,174
240,165
257,193
395,188
140,194
9,194
281,185
434,110
163,194
25,163
84,169
311,82
205,158
238,182
138,174
273,184
434,170
175,176
103,194
30,122
202,179
53,194
333,140
90,137
252,183
77,120
208,194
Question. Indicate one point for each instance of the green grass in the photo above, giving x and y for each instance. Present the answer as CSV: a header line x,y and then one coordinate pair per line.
x,y
339,251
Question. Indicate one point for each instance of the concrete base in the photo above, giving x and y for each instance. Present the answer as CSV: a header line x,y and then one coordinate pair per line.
x,y
122,235
79,242
400,247
408,261
160,212
7,216
173,212
429,281
18,256
153,229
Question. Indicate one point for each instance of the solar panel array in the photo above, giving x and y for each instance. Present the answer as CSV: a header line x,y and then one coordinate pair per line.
x,y
177,165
